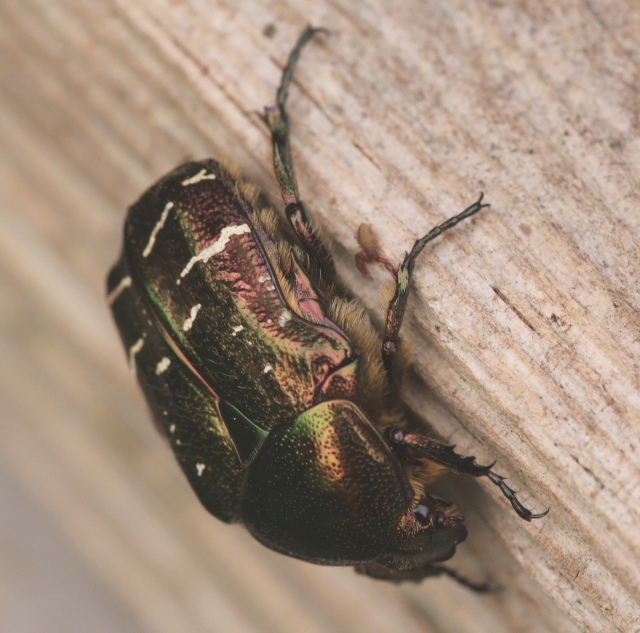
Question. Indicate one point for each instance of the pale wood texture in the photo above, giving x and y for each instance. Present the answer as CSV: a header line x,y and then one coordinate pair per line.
x,y
524,322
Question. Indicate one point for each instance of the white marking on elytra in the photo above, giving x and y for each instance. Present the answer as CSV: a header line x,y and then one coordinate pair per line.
x,y
165,413
267,369
133,350
270,287
284,318
172,428
217,247
156,229
125,282
186,326
163,365
264,278
178,442
269,321
201,175
237,328
200,468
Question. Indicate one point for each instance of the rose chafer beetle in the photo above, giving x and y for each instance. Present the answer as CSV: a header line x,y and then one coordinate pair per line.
x,y
279,398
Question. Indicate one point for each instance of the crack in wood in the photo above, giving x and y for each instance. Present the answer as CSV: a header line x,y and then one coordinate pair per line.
x,y
515,310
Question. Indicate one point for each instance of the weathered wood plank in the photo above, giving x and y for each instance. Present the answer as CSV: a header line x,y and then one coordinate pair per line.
x,y
524,322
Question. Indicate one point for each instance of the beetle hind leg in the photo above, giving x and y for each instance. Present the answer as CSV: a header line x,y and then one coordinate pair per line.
x,y
295,210
397,305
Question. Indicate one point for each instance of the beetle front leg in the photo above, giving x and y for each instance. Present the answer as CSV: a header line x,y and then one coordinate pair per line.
x,y
397,305
445,455
295,210
375,570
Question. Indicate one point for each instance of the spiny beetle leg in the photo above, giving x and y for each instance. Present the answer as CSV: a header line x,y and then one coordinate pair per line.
x,y
397,305
445,455
295,210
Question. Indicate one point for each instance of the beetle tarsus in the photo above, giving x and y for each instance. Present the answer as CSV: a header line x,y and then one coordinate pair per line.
x,y
287,73
277,120
438,230
398,304
510,494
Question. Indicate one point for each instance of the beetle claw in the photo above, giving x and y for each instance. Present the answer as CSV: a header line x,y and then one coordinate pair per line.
x,y
510,494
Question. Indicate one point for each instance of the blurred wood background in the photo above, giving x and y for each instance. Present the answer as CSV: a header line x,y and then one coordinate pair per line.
x,y
524,322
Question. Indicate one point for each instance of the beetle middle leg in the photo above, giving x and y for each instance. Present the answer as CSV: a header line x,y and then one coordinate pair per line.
x,y
397,305
295,210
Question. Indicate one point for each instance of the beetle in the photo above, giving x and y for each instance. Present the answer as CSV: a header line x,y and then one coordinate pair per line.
x,y
279,398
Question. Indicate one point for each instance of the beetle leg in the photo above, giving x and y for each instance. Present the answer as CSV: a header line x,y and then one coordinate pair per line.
x,y
397,305
295,210
375,570
462,464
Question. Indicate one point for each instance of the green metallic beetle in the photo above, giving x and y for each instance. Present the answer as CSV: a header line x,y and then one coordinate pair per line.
x,y
279,398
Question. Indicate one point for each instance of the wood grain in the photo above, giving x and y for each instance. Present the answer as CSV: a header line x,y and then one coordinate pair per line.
x,y
524,321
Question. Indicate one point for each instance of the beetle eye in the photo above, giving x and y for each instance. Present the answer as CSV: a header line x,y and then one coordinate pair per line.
x,y
427,513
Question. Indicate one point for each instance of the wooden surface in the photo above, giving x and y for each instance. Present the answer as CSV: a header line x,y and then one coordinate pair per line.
x,y
524,322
